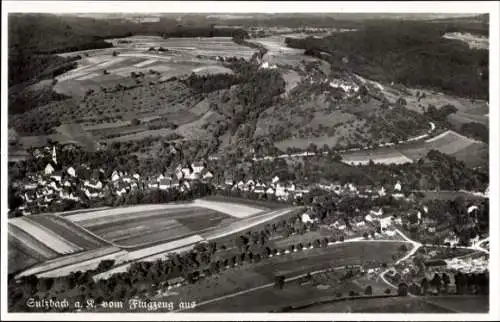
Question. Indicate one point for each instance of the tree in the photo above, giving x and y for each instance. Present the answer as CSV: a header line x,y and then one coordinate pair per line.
x,y
402,289
424,284
446,281
279,282
436,282
368,290
115,53
365,235
135,122
387,291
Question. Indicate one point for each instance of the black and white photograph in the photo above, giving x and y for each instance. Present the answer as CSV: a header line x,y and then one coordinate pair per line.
x,y
276,159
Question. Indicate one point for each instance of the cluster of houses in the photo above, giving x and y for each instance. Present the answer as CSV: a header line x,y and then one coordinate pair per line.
x,y
58,183
280,190
468,264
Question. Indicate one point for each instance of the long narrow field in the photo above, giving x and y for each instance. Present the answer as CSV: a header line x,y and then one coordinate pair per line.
x,y
45,236
448,142
76,262
39,238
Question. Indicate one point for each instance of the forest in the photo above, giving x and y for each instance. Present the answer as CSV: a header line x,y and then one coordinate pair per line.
x,y
409,52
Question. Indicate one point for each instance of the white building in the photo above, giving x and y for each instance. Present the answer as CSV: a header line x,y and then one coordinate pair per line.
x,y
49,169
306,218
71,171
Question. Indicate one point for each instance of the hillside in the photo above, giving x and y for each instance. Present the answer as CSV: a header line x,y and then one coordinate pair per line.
x,y
408,52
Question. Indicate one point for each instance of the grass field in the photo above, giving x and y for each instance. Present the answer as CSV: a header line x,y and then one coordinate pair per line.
x,y
84,260
258,274
38,238
150,227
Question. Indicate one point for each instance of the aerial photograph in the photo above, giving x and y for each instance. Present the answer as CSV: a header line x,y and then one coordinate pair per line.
x,y
247,162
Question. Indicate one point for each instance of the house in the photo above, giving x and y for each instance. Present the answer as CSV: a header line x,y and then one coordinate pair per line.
x,y
280,190
275,180
186,171
93,183
121,191
197,167
360,224
270,191
241,185
306,218
115,176
385,222
397,186
30,186
229,182
49,169
153,184
55,186
71,171
368,218
291,187
472,209
164,184
207,175
381,192
378,213
136,176
56,175
260,188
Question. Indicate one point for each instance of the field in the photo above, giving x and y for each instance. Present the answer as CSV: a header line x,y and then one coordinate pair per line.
x,y
182,56
377,305
449,142
290,265
260,204
126,234
143,228
39,238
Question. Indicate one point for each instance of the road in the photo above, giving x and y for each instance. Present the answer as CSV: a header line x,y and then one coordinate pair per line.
x,y
308,154
416,245
352,240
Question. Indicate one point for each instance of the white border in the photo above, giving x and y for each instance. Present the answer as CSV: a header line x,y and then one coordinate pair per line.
x,y
265,7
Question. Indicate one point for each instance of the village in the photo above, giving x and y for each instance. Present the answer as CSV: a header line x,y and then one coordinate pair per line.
x,y
57,183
